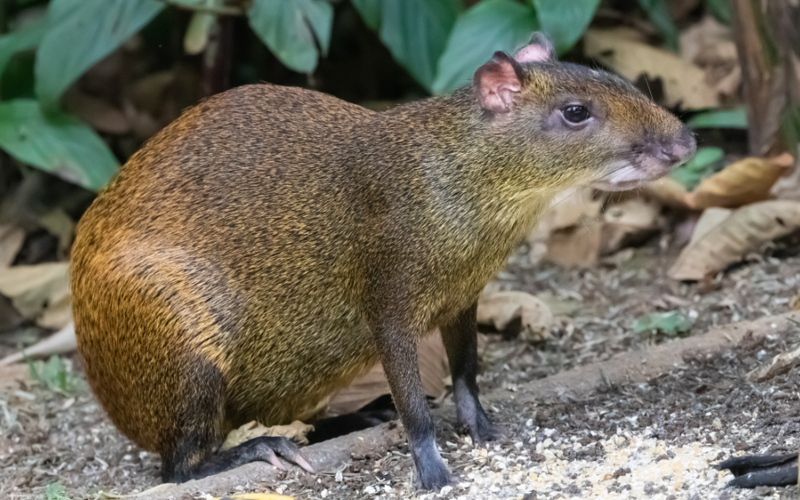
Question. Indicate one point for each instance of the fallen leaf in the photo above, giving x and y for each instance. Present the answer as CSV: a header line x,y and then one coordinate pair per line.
x,y
709,219
61,342
669,323
710,45
567,209
669,192
788,187
622,50
577,246
746,181
780,364
560,306
499,309
296,431
638,213
11,239
34,290
60,225
744,231
96,112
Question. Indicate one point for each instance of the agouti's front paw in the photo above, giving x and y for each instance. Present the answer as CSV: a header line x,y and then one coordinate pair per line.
x,y
432,473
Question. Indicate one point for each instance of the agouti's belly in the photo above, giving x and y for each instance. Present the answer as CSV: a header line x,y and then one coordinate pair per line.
x,y
290,364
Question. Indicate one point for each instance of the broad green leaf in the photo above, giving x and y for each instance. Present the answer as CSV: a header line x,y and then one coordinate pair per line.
x,y
370,11
57,143
659,15
720,118
704,163
80,33
292,28
487,27
790,127
414,31
721,9
25,38
669,323
564,22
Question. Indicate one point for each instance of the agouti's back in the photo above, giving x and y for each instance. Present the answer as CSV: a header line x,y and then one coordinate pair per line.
x,y
274,243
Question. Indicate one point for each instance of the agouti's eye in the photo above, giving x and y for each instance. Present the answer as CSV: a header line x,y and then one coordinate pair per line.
x,y
575,114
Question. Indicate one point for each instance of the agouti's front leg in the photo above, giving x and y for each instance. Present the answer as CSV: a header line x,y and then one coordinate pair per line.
x,y
461,342
397,345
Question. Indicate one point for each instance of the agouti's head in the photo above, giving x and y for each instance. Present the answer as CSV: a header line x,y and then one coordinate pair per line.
x,y
579,125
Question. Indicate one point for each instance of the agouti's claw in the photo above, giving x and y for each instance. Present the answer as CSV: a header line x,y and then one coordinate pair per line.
x,y
302,462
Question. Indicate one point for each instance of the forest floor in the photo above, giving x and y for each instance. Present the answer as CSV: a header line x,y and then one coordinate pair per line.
x,y
657,439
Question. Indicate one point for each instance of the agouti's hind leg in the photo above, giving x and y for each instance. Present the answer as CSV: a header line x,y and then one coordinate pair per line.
x,y
199,420
460,340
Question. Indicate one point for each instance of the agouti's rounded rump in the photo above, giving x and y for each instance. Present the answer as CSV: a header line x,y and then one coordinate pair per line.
x,y
273,243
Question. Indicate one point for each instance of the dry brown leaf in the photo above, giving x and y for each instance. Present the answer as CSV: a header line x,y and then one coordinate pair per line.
x,y
296,431
499,309
744,231
710,218
746,181
97,112
788,187
11,239
779,365
710,46
61,342
621,50
60,225
669,192
433,370
35,289
637,213
567,209
578,246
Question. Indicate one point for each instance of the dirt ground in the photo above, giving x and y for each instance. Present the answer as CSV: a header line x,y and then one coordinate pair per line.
x,y
657,439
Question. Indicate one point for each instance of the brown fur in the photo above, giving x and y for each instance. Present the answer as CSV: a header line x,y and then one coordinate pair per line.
x,y
245,255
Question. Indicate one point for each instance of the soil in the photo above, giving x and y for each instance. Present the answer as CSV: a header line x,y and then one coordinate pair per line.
x,y
656,439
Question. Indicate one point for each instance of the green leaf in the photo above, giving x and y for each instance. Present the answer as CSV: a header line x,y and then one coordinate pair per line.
x,y
720,118
669,323
290,27
704,163
414,31
564,22
56,143
485,28
790,127
55,491
80,33
659,15
25,38
370,11
721,9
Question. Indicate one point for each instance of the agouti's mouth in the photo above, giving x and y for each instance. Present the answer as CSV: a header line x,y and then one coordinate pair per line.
x,y
649,164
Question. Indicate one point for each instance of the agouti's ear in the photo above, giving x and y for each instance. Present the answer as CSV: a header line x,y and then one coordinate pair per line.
x,y
497,82
539,49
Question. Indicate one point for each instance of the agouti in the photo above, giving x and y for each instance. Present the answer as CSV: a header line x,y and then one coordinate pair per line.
x,y
274,243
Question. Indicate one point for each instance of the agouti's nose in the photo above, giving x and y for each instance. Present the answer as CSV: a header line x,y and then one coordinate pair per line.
x,y
670,154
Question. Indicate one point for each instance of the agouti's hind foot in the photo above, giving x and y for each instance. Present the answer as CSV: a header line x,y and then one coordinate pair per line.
x,y
751,471
263,449
479,428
